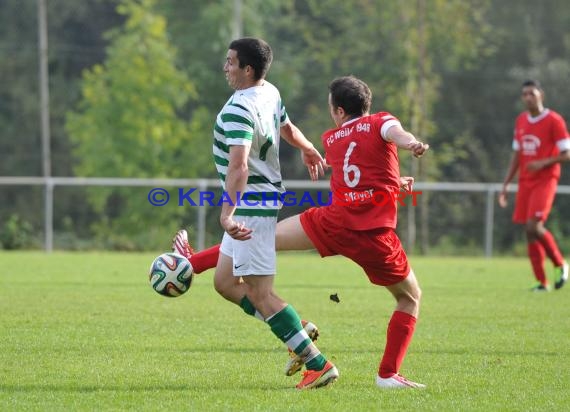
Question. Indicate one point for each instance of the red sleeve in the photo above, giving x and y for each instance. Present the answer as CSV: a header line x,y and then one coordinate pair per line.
x,y
559,130
384,121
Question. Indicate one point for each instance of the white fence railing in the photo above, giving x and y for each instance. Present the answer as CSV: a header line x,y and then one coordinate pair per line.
x,y
490,189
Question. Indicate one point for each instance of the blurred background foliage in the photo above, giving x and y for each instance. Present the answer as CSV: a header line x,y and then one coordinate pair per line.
x,y
135,86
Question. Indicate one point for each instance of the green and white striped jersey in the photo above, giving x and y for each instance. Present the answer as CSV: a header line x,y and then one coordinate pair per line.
x,y
253,117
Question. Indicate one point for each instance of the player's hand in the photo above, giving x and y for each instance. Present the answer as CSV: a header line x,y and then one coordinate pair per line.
x,y
314,162
236,230
418,148
503,202
537,165
406,183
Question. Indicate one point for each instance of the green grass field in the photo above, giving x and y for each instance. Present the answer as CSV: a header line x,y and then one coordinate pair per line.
x,y
84,331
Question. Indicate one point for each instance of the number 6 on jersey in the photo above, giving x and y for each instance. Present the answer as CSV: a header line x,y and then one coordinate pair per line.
x,y
348,168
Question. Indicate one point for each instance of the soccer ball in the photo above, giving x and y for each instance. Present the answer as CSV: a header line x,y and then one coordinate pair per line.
x,y
170,275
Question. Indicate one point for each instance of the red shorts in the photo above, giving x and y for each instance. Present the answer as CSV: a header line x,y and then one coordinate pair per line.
x,y
378,251
534,200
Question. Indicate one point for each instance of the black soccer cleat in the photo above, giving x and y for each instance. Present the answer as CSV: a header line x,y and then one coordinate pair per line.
x,y
563,276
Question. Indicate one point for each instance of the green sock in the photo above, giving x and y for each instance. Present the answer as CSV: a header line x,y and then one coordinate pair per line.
x,y
248,308
286,325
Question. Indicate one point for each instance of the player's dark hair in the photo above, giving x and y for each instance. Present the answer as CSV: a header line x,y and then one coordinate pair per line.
x,y
352,94
255,53
532,83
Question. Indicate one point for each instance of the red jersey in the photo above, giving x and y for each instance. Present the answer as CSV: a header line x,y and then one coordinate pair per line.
x,y
537,138
365,172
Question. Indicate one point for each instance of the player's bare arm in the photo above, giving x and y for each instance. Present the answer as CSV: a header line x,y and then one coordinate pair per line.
x,y
513,167
549,161
236,180
311,156
405,140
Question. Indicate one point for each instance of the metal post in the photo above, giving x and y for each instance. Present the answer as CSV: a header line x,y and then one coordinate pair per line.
x,y
201,219
411,224
237,31
489,222
48,213
45,124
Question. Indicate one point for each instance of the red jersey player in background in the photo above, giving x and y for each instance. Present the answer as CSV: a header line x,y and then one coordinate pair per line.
x,y
359,223
541,142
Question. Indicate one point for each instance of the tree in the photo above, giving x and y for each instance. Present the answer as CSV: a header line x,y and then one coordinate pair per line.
x,y
74,42
128,123
529,39
401,49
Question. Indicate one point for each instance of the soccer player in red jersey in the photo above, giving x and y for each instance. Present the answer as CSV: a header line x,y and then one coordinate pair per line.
x,y
541,142
359,224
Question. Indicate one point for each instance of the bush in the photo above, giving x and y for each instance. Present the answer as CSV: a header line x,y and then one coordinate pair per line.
x,y
16,233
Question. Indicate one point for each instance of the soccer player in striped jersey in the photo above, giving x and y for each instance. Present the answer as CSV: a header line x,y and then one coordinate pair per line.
x,y
246,153
541,142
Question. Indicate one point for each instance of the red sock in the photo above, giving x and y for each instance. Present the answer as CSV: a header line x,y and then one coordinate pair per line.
x,y
536,254
551,248
206,259
398,338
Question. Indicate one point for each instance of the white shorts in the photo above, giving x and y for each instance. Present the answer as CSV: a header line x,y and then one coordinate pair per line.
x,y
257,255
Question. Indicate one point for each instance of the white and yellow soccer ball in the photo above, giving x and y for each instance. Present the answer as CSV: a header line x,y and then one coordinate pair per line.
x,y
170,275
